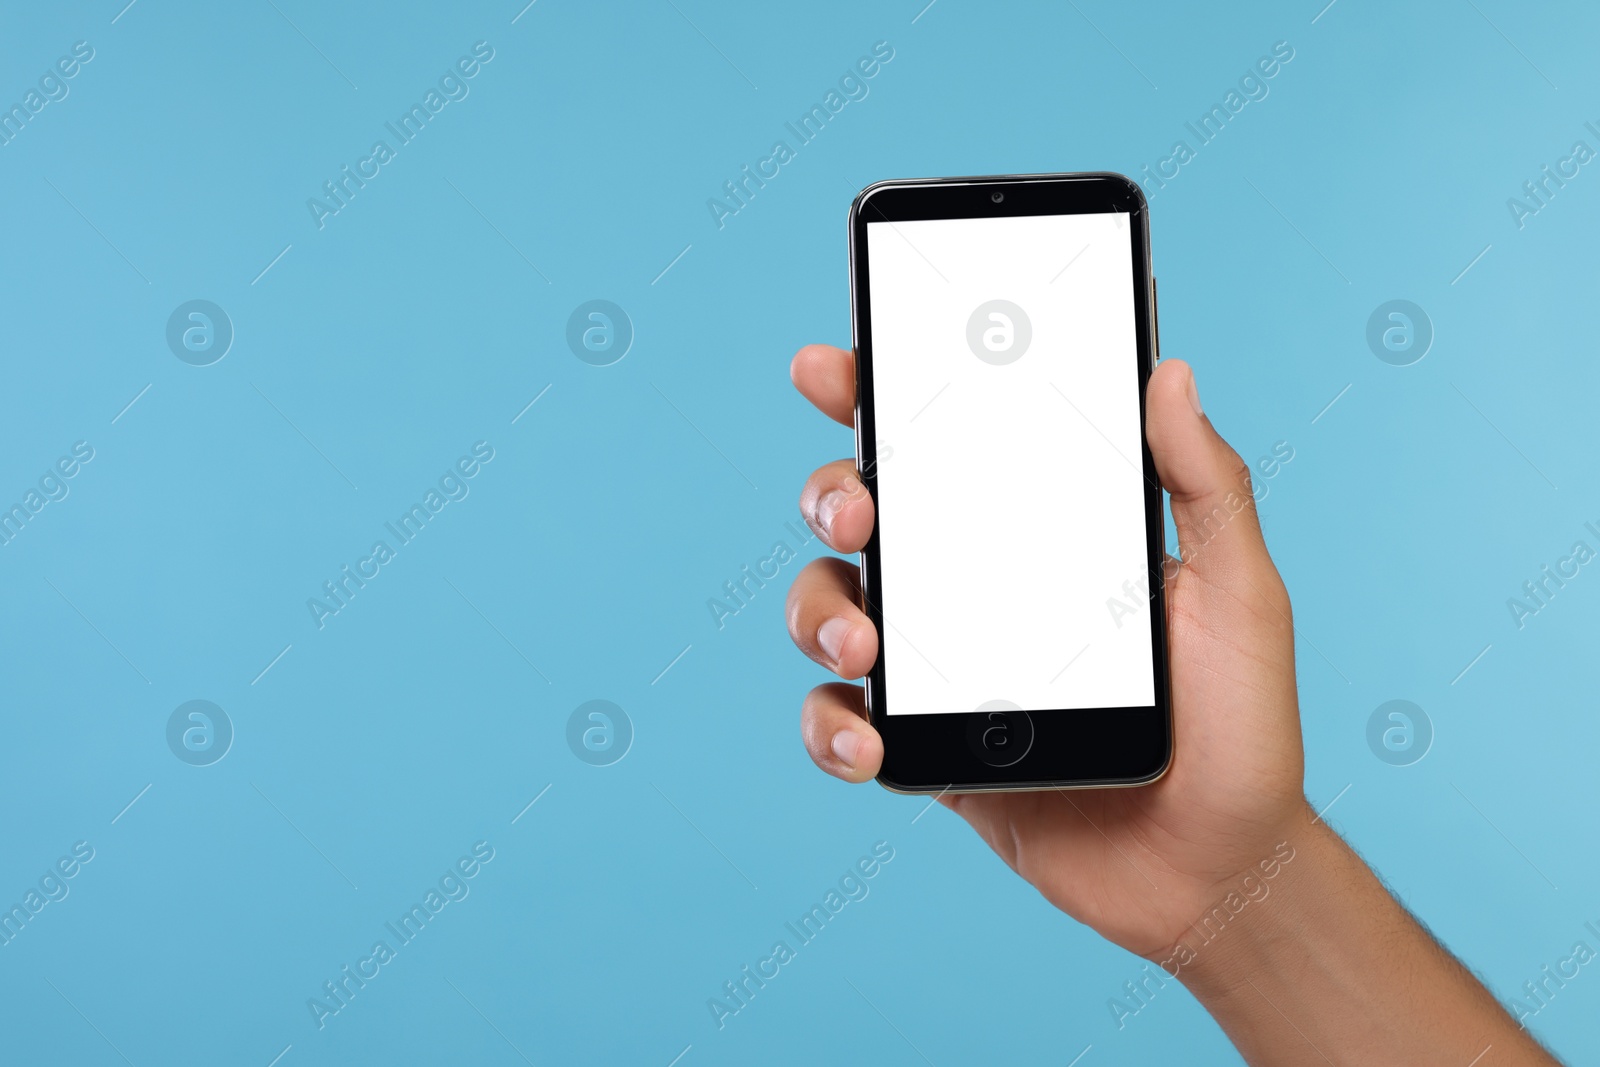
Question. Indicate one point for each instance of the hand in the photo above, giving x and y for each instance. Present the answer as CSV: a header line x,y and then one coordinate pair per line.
x,y
1138,865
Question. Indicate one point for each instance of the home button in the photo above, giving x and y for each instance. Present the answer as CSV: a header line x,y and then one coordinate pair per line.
x,y
999,733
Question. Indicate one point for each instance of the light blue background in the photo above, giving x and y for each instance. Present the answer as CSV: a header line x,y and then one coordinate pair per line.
x,y
412,326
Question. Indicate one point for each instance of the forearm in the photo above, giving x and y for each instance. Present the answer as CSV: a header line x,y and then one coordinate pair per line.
x,y
1328,967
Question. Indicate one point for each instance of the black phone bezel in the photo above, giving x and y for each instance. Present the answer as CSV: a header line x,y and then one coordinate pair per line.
x,y
1070,748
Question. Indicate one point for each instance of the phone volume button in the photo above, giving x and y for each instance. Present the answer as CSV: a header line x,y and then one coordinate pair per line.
x,y
1155,318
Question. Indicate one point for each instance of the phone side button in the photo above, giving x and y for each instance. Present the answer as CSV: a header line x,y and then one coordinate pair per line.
x,y
1155,318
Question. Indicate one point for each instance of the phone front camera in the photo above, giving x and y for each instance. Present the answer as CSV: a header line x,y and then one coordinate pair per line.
x,y
997,197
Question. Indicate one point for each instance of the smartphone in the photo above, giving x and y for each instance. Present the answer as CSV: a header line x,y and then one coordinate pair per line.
x,y
1004,330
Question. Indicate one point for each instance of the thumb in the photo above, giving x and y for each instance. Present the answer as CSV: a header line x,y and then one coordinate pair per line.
x,y
1213,506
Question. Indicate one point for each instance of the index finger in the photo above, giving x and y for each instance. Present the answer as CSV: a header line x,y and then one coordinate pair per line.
x,y
826,376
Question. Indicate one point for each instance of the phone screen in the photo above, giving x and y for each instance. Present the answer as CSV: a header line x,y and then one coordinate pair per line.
x,y
1013,560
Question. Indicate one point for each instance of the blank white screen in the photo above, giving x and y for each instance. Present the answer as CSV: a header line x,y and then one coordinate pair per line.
x,y
1011,501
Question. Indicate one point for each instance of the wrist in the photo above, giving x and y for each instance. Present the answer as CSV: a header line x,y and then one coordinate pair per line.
x,y
1255,914
1322,962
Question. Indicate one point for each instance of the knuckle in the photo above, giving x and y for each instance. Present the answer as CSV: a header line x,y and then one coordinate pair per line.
x,y
793,611
811,731
1238,472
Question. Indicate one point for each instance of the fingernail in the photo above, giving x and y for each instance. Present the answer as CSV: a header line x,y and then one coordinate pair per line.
x,y
831,637
1194,395
846,746
828,508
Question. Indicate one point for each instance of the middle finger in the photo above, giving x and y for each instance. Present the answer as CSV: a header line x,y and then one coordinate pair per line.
x,y
825,620
838,507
